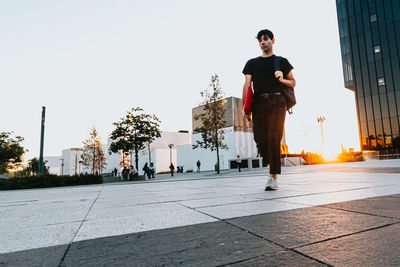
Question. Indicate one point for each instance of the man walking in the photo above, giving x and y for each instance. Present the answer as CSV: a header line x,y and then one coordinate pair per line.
x,y
239,162
268,73
198,164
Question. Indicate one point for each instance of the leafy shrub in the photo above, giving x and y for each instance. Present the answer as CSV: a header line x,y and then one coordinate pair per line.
x,y
48,180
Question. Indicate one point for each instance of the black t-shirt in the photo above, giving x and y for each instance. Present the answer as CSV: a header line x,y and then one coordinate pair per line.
x,y
263,73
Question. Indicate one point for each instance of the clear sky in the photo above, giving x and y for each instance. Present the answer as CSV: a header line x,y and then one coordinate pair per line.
x,y
90,61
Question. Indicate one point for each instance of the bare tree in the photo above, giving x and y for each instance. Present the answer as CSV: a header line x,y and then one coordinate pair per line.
x,y
212,118
93,154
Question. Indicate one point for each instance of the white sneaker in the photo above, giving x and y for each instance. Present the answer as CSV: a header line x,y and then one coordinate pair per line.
x,y
271,184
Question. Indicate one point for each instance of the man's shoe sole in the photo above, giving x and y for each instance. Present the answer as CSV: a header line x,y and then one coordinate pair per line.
x,y
268,188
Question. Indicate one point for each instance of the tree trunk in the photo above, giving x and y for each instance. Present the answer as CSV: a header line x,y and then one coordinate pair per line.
x,y
216,144
94,159
136,159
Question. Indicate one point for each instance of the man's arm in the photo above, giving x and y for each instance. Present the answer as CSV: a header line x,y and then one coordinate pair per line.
x,y
246,85
290,81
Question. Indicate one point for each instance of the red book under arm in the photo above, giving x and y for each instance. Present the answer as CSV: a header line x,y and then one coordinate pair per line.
x,y
249,99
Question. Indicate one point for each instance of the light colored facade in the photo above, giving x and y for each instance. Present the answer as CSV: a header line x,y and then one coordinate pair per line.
x,y
54,164
238,137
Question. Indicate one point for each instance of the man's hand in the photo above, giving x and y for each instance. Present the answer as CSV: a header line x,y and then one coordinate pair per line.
x,y
247,116
279,75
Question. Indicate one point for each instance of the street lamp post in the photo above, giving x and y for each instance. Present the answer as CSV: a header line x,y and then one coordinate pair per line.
x,y
170,152
62,166
321,120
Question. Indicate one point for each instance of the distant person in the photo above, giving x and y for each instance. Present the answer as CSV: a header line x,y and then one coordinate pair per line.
x,y
146,170
239,162
269,74
124,173
198,164
172,169
96,173
152,170
132,172
115,172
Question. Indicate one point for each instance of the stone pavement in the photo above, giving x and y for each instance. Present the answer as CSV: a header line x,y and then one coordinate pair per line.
x,y
338,214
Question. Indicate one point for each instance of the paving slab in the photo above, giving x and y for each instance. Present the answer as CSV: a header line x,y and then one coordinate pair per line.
x,y
379,247
299,227
250,208
207,244
37,237
380,206
133,219
49,256
323,198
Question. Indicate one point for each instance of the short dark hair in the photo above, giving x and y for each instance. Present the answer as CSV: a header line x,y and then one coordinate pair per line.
x,y
265,33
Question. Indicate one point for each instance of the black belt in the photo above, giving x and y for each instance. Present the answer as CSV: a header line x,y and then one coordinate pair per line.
x,y
266,95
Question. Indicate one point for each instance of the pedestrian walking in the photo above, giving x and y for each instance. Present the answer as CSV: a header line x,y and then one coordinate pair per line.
x,y
172,168
115,172
152,170
239,162
198,164
268,74
146,170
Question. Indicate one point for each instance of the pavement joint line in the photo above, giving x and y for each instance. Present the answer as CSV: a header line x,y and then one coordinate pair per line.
x,y
259,199
359,212
345,235
278,198
70,243
256,235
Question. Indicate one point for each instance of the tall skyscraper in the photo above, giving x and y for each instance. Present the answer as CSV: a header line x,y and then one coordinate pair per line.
x,y
370,44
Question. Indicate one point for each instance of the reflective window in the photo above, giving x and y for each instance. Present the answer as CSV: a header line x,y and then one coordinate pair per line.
x,y
377,49
368,108
361,109
395,127
392,104
388,75
381,81
384,106
396,72
364,129
373,18
388,11
376,105
387,133
392,39
379,69
372,77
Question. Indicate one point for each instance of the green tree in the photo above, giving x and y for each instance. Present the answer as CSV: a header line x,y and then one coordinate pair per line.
x,y
133,133
93,154
212,119
11,151
32,167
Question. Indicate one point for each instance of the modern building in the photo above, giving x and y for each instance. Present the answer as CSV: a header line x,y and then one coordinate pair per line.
x,y
177,147
370,46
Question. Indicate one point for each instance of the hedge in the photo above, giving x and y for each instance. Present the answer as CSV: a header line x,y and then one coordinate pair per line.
x,y
49,180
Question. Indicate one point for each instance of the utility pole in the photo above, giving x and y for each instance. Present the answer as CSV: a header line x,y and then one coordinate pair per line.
x,y
321,120
62,166
42,141
170,152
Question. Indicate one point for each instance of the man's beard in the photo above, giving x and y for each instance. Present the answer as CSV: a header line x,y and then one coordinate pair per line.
x,y
266,50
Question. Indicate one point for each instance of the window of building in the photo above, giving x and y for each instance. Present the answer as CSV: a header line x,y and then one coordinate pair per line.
x,y
381,81
377,49
373,18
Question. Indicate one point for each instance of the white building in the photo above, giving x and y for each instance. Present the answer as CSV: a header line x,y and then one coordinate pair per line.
x,y
54,164
238,137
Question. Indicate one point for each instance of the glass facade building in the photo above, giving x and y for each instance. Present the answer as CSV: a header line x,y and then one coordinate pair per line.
x,y
370,46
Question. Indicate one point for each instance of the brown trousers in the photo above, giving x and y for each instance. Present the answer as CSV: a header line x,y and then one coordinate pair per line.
x,y
268,122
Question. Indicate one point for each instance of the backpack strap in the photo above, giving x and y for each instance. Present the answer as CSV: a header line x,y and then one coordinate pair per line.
x,y
277,61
